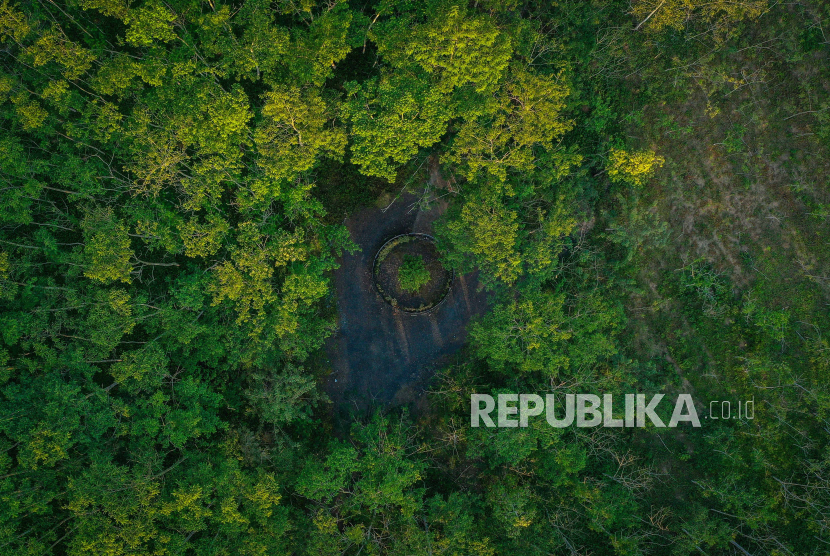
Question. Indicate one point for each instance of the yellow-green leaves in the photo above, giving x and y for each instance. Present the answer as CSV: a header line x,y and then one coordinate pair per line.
x,y
107,248
115,75
247,279
193,141
157,156
246,282
457,48
634,168
722,15
367,485
299,292
538,102
151,22
140,369
187,508
114,8
297,130
528,112
30,113
5,289
260,48
488,230
73,59
513,504
316,52
7,84
110,319
264,495
323,480
13,24
203,239
548,239
104,120
119,512
463,64
223,118
391,119
45,448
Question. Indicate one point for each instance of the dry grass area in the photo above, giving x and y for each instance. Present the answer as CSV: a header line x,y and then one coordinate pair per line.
x,y
735,189
745,188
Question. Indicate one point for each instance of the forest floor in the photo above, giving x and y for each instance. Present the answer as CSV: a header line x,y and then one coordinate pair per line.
x,y
380,355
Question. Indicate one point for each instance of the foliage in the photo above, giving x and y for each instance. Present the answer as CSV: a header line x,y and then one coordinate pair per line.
x,y
412,274
391,118
721,15
175,176
457,47
633,168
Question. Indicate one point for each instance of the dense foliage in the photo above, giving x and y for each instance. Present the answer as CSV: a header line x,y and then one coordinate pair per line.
x,y
642,185
412,274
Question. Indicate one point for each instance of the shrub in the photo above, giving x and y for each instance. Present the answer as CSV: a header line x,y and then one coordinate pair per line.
x,y
412,273
633,167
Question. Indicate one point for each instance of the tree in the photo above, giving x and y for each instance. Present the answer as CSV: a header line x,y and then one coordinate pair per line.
x,y
456,47
297,133
524,335
659,15
107,248
487,230
412,274
500,138
633,168
391,118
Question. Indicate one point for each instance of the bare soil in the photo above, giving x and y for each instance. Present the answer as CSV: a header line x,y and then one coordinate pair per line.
x,y
380,355
388,263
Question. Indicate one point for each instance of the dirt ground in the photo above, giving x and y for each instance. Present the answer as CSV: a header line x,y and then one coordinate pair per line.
x,y
381,356
430,293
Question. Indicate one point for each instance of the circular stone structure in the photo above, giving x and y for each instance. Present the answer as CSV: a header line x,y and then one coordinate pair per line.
x,y
388,261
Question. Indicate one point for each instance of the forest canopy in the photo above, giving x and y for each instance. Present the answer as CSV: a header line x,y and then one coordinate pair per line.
x,y
640,186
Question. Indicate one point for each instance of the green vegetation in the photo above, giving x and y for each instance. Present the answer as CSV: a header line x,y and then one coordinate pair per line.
x,y
412,274
642,185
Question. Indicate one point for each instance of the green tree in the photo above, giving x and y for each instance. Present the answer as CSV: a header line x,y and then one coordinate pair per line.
x,y
455,46
391,118
634,168
412,274
297,132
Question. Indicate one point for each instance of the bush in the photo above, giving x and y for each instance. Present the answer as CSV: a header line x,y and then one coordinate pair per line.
x,y
633,168
412,273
